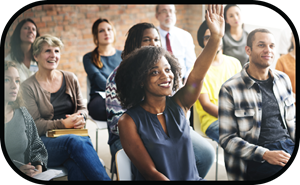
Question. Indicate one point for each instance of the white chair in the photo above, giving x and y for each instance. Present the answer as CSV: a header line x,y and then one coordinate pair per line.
x,y
123,165
197,127
101,125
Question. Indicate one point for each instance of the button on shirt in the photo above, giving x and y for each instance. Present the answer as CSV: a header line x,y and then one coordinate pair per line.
x,y
183,48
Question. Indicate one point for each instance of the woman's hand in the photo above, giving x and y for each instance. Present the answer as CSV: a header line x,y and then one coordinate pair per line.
x,y
29,170
215,20
75,120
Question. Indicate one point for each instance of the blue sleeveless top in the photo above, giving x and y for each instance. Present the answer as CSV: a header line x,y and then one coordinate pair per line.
x,y
172,155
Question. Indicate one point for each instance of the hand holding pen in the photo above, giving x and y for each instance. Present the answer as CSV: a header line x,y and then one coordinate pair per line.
x,y
28,169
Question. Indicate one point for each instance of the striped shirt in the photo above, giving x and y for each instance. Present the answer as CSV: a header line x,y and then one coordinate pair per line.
x,y
240,116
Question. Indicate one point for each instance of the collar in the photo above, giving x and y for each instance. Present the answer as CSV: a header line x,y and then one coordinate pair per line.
x,y
163,33
249,82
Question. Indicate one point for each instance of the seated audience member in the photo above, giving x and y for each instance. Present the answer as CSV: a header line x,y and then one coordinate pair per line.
x,y
176,40
21,139
257,114
21,48
98,65
287,64
54,100
235,38
145,34
154,131
222,68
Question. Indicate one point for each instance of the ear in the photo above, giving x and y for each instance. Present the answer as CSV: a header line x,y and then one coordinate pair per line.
x,y
35,58
248,50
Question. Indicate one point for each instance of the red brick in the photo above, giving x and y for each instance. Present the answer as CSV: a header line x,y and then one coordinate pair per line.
x,y
47,18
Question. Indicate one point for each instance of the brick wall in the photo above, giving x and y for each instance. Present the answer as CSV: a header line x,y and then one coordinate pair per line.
x,y
72,24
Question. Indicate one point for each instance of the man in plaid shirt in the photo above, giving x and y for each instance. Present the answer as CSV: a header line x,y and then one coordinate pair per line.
x,y
257,114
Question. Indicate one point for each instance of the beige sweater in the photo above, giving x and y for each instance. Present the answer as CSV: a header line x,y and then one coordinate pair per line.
x,y
37,102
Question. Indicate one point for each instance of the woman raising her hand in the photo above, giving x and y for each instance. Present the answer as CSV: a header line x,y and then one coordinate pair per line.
x,y
154,131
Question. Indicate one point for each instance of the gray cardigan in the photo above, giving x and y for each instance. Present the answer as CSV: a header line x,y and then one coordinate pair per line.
x,y
36,150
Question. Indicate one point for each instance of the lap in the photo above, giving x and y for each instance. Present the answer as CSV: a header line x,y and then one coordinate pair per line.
x,y
257,170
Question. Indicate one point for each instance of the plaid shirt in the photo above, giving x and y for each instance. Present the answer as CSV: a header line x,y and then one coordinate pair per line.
x,y
240,116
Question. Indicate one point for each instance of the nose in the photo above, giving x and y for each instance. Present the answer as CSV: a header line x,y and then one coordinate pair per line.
x,y
13,85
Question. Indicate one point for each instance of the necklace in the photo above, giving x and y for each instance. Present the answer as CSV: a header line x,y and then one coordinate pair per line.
x,y
159,113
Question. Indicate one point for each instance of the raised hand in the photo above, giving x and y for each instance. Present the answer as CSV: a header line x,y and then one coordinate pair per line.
x,y
215,20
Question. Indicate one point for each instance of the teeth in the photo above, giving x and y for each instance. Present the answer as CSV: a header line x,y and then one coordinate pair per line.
x,y
164,85
51,61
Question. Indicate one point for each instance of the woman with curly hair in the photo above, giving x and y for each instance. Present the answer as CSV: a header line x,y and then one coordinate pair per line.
x,y
154,131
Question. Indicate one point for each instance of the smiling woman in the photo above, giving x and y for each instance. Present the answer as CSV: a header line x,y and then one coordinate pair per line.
x,y
54,100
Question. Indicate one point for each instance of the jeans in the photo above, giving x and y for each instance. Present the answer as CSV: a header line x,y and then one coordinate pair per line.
x,y
77,154
204,152
258,171
213,131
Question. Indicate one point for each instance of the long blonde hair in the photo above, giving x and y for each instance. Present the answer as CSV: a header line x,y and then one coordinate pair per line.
x,y
19,101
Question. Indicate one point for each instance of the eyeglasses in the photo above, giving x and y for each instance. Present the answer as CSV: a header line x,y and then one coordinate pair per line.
x,y
206,37
164,11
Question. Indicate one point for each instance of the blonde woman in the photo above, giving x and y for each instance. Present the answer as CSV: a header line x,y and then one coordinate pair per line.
x,y
21,138
54,100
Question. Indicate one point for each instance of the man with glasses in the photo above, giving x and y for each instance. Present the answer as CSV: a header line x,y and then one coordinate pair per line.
x,y
177,41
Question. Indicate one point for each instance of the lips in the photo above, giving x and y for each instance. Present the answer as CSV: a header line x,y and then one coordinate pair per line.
x,y
13,93
165,84
267,57
51,61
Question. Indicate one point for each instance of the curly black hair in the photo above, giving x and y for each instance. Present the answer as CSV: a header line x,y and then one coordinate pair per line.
x,y
134,69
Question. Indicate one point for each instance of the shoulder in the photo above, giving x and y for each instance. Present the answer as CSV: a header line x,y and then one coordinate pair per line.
x,y
29,82
181,32
233,82
87,57
70,77
26,115
231,60
118,52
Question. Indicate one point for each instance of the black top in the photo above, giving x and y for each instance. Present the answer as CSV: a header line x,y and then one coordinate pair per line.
x,y
272,127
61,102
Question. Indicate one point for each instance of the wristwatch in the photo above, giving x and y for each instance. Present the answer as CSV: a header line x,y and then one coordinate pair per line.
x,y
35,163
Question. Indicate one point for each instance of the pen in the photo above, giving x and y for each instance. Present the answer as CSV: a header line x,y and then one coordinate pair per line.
x,y
23,164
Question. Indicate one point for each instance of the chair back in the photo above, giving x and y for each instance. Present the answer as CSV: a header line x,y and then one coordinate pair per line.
x,y
123,165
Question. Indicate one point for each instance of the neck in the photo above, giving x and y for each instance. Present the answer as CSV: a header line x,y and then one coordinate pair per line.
x,y
218,58
26,49
165,28
45,75
258,73
236,30
154,105
8,108
106,50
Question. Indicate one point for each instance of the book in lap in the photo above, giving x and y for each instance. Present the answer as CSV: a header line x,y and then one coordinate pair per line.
x,y
61,132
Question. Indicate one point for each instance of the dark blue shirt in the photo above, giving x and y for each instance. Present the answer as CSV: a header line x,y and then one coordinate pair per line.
x,y
172,155
97,76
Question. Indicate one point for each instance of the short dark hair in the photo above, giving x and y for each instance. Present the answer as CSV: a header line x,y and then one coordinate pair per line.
x,y
200,34
133,72
135,37
251,35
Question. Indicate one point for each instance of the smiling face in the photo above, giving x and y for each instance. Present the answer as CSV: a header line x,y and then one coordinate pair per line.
x,y
28,32
12,84
262,52
105,34
160,79
49,57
